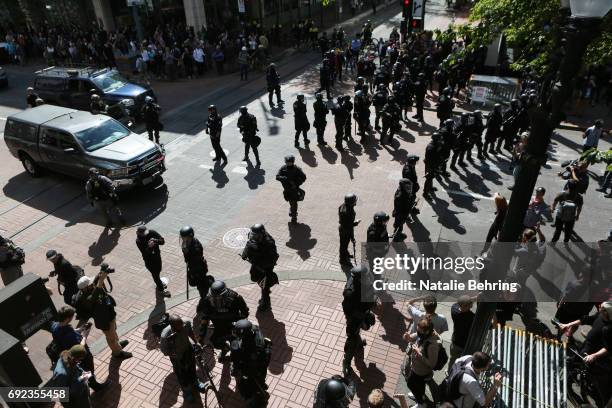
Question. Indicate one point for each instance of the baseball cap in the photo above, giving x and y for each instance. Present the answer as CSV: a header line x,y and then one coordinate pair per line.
x,y
84,282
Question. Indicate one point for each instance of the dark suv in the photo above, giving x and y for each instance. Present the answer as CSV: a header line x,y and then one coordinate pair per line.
x,y
71,87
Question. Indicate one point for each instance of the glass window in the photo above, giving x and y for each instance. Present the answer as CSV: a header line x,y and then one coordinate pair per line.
x,y
104,133
109,82
21,131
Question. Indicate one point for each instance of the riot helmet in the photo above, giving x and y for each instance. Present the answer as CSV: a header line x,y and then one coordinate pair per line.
x,y
218,288
242,328
381,217
334,391
350,199
243,110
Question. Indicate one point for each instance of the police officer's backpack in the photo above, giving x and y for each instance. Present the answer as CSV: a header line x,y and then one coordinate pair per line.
x,y
449,388
567,211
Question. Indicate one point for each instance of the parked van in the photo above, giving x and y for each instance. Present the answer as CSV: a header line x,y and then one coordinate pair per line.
x,y
70,142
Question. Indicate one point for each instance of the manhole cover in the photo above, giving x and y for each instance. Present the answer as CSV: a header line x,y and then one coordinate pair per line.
x,y
236,238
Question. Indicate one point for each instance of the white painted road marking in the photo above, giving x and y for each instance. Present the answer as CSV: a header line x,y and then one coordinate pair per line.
x,y
471,195
240,170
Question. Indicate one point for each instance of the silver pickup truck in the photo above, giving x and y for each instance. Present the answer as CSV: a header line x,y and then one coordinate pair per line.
x,y
70,141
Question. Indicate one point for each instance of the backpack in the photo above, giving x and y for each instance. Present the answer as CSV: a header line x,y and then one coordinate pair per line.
x,y
567,211
442,356
53,351
449,388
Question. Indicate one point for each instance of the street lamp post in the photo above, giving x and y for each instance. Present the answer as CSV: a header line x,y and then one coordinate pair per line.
x,y
583,26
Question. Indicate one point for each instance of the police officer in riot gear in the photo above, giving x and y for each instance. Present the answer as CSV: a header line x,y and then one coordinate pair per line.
x,y
403,204
409,171
148,242
356,305
334,392
223,307
433,159
101,194
494,123
377,231
462,142
362,112
391,115
292,177
340,115
420,89
379,99
360,85
348,123
250,355
197,267
301,120
476,129
97,106
325,77
247,123
213,128
273,82
449,140
260,251
510,124
150,115
445,106
320,120
67,274
346,219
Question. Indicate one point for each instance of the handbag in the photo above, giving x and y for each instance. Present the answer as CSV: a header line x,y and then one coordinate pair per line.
x,y
255,141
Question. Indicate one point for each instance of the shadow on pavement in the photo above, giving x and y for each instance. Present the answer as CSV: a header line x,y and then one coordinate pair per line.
x,y
255,176
300,239
219,175
168,396
112,395
328,154
107,241
274,329
308,156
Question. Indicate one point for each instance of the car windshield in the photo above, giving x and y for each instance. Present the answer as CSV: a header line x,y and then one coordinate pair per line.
x,y
101,135
109,82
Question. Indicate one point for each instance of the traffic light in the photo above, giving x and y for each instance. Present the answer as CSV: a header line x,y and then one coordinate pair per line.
x,y
407,9
418,24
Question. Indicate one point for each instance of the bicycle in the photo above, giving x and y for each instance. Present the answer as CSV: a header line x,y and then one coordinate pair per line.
x,y
201,360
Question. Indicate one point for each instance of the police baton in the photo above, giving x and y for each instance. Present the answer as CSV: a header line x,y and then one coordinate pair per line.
x,y
187,284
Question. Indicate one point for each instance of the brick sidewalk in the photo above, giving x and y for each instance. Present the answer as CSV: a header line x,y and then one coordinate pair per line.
x,y
307,329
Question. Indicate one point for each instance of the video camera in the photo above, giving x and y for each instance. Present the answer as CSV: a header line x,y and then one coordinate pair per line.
x,y
105,268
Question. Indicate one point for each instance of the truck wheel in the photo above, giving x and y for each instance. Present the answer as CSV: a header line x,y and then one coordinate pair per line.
x,y
30,166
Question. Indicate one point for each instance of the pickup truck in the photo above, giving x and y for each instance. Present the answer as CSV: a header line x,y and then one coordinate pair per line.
x,y
70,142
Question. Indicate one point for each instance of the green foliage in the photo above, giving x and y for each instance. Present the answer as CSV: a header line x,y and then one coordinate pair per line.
x,y
600,50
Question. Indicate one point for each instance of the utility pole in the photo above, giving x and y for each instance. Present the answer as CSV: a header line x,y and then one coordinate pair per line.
x,y
544,118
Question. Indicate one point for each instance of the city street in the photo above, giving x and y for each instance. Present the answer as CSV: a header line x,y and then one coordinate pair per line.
x,y
221,203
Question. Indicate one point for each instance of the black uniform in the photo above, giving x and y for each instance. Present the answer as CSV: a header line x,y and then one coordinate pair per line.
x,y
262,255
346,229
250,359
213,128
247,123
302,125
403,203
340,115
325,76
197,267
510,126
273,82
150,115
357,313
292,177
320,122
348,123
68,275
494,122
31,99
462,142
223,310
101,194
444,109
449,139
477,127
321,398
420,89
152,255
362,113
433,159
391,115
96,107
379,99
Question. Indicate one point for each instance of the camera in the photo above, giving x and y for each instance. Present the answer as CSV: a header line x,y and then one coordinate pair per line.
x,y
106,268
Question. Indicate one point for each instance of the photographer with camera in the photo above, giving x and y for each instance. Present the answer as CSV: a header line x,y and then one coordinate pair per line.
x,y
175,343
101,194
93,300
11,259
67,274
65,336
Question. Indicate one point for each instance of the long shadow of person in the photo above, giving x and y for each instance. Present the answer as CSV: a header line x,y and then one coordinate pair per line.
x,y
255,176
370,377
274,329
446,217
328,154
300,239
152,341
354,147
168,396
112,396
308,156
104,245
392,321
350,162
219,175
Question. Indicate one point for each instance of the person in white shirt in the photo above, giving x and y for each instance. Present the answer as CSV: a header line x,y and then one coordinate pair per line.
x,y
429,305
469,386
591,135
198,57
